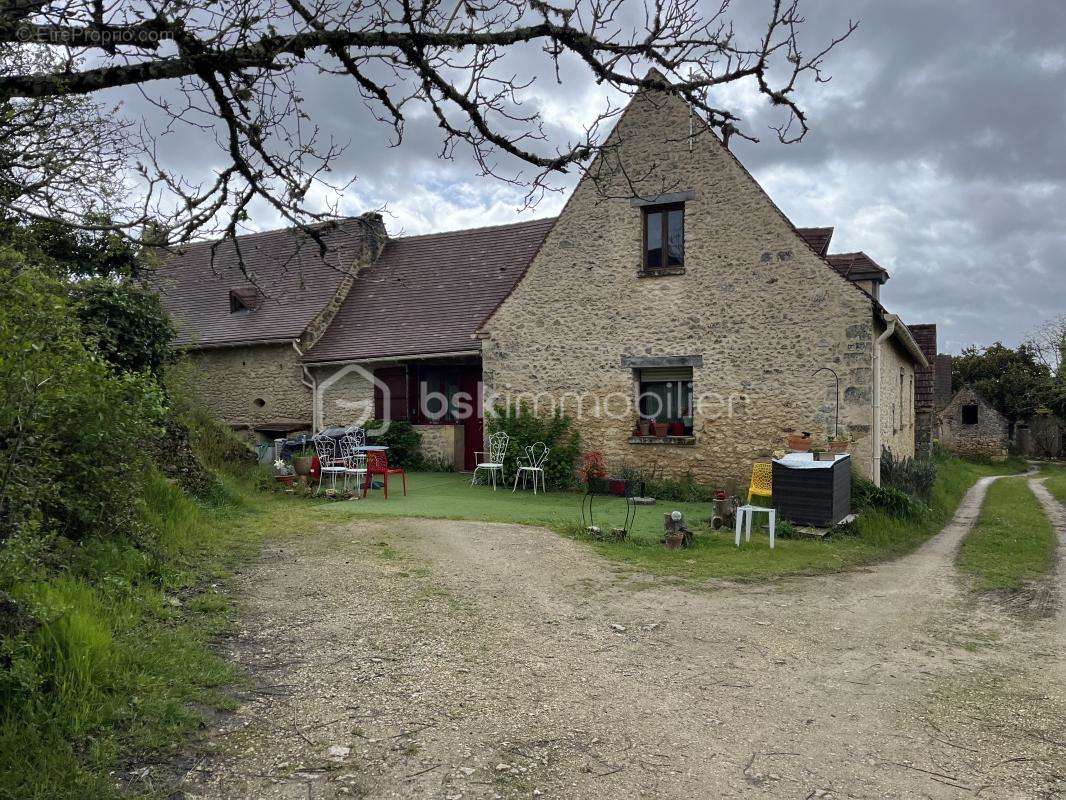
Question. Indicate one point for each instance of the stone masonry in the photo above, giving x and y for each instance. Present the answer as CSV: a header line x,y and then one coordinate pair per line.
x,y
251,385
758,307
988,437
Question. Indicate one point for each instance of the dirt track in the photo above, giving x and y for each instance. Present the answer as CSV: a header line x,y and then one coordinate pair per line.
x,y
457,659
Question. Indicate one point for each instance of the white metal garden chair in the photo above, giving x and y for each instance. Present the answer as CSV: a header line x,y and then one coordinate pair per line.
x,y
329,461
493,457
532,464
354,459
356,434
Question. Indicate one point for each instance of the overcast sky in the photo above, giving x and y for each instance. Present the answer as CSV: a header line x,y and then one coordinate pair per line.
x,y
939,148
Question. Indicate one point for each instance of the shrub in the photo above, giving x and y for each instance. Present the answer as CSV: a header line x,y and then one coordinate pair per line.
x,y
555,431
403,441
74,435
127,324
892,501
912,476
682,490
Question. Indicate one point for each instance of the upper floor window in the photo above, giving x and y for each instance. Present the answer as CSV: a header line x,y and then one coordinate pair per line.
x,y
664,237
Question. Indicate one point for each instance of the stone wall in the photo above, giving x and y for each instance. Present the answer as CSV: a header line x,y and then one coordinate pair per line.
x,y
897,400
348,397
248,386
989,438
755,302
442,443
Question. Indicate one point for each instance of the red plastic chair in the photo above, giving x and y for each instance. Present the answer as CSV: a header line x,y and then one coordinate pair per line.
x,y
377,463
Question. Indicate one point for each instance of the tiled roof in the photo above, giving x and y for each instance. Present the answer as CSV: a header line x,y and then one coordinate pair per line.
x,y
925,336
817,238
293,281
857,267
428,294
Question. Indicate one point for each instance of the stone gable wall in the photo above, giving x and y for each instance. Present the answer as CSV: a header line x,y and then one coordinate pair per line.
x,y
760,307
989,438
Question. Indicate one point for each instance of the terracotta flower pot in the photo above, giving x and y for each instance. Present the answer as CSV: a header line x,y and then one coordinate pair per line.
x,y
838,447
302,465
799,443
674,540
285,480
659,428
644,428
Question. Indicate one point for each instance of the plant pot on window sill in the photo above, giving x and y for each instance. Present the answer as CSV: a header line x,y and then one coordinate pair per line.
x,y
659,429
644,428
676,429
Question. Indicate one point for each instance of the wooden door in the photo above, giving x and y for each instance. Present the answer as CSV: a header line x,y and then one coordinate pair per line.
x,y
473,425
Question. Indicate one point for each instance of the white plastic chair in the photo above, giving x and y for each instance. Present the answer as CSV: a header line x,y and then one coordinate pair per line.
x,y
493,457
329,463
532,464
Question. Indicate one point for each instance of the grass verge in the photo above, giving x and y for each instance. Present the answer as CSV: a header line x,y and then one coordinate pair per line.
x,y
1012,543
878,536
1056,480
121,656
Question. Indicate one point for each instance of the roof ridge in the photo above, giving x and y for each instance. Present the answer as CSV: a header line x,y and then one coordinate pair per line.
x,y
472,230
253,234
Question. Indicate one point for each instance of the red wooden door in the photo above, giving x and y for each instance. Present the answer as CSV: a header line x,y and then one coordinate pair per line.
x,y
473,425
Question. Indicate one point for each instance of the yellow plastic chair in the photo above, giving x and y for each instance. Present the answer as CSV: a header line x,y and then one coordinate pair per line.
x,y
762,479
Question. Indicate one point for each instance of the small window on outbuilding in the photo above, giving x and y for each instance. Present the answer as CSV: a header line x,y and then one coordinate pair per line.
x,y
664,238
243,300
969,415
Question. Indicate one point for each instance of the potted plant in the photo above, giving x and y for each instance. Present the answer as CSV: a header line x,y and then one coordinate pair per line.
x,y
799,442
302,462
283,473
676,429
644,427
659,429
593,469
674,540
839,443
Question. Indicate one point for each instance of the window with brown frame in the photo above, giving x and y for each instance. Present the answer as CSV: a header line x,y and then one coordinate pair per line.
x,y
664,238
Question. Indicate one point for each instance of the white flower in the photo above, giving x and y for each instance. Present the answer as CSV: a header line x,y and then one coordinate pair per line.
x,y
279,465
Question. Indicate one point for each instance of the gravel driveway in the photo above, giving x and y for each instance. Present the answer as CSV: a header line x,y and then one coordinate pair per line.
x,y
438,659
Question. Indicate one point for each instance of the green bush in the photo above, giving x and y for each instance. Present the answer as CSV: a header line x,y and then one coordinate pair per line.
x,y
912,476
682,490
127,324
556,431
892,501
74,434
403,441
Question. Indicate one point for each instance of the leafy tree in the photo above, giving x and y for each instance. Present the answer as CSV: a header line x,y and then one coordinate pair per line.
x,y
127,323
73,432
1014,381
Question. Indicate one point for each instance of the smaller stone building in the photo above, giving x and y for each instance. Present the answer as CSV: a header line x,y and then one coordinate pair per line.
x,y
970,426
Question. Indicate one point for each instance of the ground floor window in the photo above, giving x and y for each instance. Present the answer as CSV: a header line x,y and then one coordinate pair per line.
x,y
665,396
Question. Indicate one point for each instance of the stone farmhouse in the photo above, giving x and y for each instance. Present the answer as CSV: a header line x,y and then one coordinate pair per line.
x,y
669,289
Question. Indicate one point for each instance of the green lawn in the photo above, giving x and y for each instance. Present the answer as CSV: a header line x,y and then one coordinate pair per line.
x,y
450,496
1012,542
